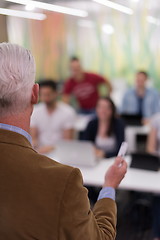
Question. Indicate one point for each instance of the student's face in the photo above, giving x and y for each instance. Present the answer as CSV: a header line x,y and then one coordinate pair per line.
x,y
47,95
104,110
75,68
141,80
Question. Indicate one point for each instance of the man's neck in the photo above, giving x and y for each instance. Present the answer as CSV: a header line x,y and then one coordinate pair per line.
x,y
79,77
19,120
140,91
52,107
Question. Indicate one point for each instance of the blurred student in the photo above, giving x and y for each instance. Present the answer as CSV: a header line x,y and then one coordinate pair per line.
x,y
84,87
51,120
153,147
41,198
106,131
141,100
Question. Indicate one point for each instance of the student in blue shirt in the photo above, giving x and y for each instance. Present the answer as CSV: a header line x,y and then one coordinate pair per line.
x,y
141,100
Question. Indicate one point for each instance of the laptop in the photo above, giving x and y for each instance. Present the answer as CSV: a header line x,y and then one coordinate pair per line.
x,y
76,153
132,119
145,161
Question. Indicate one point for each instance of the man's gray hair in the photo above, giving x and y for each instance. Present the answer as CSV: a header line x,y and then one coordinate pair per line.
x,y
17,77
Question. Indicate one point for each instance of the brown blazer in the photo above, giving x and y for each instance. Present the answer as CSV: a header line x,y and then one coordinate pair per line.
x,y
41,199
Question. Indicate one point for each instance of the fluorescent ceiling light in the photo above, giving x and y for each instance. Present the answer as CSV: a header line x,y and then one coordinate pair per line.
x,y
108,29
22,14
30,6
153,20
115,6
54,8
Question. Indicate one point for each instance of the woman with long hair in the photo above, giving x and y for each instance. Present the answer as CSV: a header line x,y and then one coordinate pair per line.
x,y
106,131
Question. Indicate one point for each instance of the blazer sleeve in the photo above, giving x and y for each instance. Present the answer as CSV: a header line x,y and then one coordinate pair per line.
x,y
120,137
77,221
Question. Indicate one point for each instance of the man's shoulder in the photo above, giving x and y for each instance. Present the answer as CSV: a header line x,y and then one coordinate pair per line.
x,y
93,75
70,80
46,164
93,122
152,91
65,108
119,122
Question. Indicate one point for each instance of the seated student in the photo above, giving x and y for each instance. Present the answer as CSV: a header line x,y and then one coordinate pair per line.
x,y
153,147
84,87
106,131
141,100
51,120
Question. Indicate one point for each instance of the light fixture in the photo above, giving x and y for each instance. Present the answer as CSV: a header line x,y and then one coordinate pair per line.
x,y
52,7
108,29
115,6
153,20
30,6
22,14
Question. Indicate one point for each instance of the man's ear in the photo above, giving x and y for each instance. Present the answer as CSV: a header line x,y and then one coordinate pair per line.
x,y
35,94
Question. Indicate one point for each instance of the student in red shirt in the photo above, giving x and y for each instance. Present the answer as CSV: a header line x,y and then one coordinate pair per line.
x,y
84,87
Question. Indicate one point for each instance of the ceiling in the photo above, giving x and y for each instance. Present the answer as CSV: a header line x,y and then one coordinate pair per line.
x,y
152,7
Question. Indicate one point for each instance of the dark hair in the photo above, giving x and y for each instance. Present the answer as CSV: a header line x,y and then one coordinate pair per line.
x,y
144,73
113,116
74,58
48,83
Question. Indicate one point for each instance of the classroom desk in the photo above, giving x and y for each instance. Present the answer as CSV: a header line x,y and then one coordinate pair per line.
x,y
135,179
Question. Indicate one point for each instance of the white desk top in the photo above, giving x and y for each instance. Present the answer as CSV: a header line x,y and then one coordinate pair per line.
x,y
135,179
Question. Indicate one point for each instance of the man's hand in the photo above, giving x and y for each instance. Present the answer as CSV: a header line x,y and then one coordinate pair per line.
x,y
115,173
99,153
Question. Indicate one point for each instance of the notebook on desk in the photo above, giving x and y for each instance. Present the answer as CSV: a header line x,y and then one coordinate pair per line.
x,y
132,119
76,153
145,161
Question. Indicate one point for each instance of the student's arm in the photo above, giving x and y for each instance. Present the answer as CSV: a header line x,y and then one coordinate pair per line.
x,y
67,91
101,81
108,86
91,131
151,141
35,142
69,123
77,221
68,134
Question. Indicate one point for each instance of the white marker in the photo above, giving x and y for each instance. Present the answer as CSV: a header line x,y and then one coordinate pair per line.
x,y
122,151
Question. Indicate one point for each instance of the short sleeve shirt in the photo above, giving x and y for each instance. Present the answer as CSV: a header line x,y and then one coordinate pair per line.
x,y
85,91
50,126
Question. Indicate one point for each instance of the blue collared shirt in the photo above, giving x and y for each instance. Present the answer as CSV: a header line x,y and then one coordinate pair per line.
x,y
150,103
17,130
106,192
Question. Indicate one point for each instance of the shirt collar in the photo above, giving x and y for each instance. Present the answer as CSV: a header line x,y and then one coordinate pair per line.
x,y
17,130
